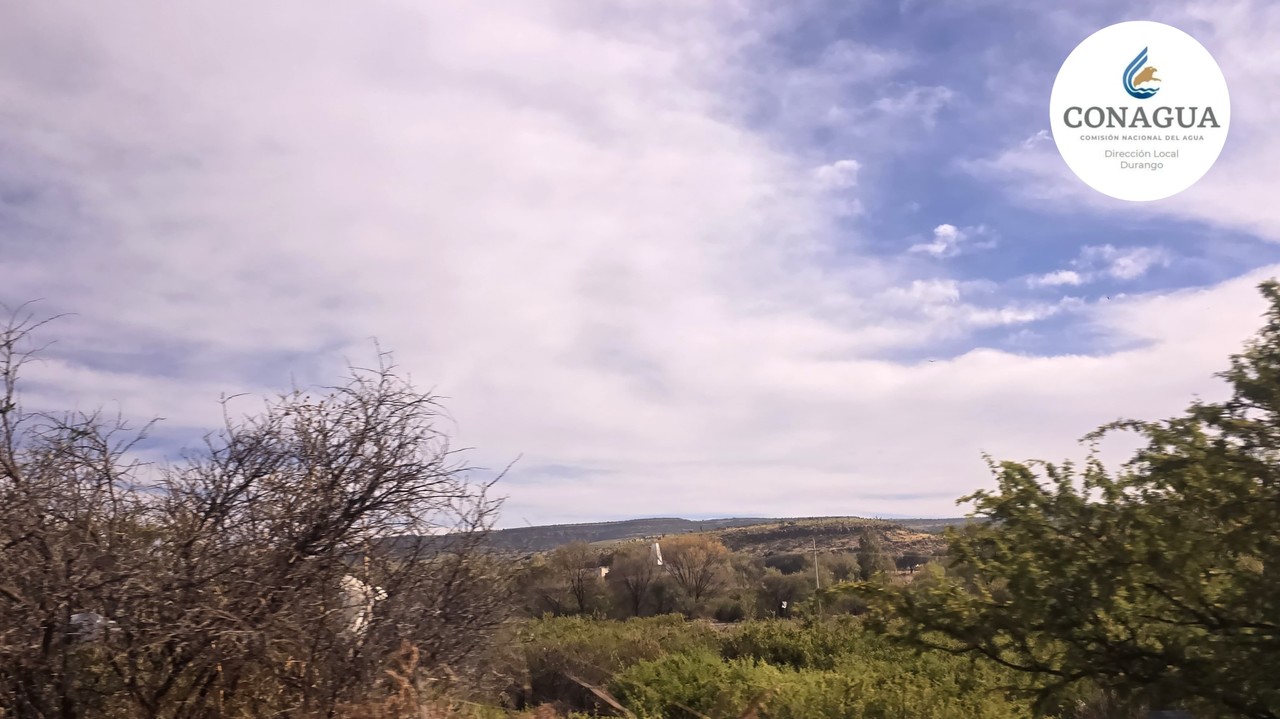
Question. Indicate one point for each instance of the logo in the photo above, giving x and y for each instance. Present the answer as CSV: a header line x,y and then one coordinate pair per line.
x,y
1143,140
1139,73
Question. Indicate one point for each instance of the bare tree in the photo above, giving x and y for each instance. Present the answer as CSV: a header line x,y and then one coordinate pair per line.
x,y
632,575
542,590
697,563
563,582
577,565
221,576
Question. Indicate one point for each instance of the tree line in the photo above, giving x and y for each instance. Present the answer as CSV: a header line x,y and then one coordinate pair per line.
x,y
699,577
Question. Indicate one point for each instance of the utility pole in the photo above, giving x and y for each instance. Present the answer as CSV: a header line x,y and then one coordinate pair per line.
x,y
817,581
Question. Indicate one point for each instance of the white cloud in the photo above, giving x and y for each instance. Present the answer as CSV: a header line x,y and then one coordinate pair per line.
x,y
1040,137
1056,279
551,219
837,179
945,239
1124,264
929,291
1099,262
838,175
949,241
920,104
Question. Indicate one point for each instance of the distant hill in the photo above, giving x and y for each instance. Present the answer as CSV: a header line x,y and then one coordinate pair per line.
x,y
739,533
829,534
548,537
933,526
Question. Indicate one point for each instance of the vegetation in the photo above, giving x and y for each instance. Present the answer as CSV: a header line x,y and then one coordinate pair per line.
x,y
813,671
872,559
1159,583
666,667
214,587
1079,592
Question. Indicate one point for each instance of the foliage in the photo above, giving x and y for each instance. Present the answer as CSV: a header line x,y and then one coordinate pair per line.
x,y
632,575
812,645
872,558
555,651
216,580
814,671
777,588
789,563
699,565
565,581
910,561
843,566
1157,582
730,610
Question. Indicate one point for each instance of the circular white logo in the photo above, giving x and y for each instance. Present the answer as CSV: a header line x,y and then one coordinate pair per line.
x,y
1140,111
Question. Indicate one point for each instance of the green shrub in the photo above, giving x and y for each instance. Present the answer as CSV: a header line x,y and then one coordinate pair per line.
x,y
556,649
814,645
832,668
701,681
790,563
730,611
885,684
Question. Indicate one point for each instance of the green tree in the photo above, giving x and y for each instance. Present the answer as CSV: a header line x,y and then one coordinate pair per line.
x,y
843,566
1159,582
777,588
872,559
746,570
910,561
787,563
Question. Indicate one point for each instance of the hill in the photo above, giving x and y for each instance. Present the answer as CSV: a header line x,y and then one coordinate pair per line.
x,y
753,535
827,534
548,537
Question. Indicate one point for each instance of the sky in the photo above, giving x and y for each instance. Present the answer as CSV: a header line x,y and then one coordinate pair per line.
x,y
663,258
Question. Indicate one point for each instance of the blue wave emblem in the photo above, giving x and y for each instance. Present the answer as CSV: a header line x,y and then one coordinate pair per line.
x,y
1139,73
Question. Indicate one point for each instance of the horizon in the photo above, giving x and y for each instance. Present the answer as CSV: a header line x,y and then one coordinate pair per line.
x,y
711,519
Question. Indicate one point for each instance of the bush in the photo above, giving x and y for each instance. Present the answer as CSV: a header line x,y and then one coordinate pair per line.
x,y
776,588
898,684
787,563
730,611
701,681
555,649
834,668
842,566
791,644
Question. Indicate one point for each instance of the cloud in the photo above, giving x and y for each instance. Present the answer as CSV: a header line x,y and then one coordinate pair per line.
x,y
916,103
1124,264
838,175
558,217
837,179
1105,262
1040,137
1056,279
949,241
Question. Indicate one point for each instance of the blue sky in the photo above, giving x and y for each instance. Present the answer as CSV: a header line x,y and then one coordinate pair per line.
x,y
696,259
